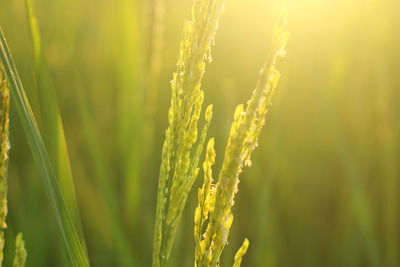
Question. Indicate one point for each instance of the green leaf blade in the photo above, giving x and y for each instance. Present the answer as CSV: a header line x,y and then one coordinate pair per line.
x,y
52,126
72,242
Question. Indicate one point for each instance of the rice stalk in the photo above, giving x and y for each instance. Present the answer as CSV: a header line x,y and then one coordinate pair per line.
x,y
216,201
179,158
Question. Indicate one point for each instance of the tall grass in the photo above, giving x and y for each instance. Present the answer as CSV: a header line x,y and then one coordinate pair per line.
x,y
72,242
52,125
323,188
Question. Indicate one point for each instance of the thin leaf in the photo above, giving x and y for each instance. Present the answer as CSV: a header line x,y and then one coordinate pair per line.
x,y
52,126
74,246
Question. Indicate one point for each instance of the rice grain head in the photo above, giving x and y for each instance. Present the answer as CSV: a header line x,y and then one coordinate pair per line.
x,y
215,202
20,252
4,147
179,167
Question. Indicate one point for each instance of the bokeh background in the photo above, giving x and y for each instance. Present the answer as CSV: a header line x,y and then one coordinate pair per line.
x,y
323,188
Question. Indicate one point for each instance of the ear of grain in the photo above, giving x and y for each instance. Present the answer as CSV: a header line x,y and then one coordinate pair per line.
x,y
242,141
72,242
179,158
20,252
4,147
52,126
206,198
239,255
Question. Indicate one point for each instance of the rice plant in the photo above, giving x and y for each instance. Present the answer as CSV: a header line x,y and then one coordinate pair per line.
x,y
179,165
89,131
216,200
179,158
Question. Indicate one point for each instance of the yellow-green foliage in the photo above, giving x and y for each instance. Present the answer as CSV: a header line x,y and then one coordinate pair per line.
x,y
215,202
179,164
4,147
20,252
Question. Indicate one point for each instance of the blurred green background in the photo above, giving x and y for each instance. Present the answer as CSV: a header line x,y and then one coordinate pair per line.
x,y
323,188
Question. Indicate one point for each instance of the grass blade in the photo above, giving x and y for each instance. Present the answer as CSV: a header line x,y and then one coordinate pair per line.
x,y
52,126
74,246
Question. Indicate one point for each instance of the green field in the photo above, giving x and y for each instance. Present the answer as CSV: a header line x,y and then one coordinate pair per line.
x,y
323,186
